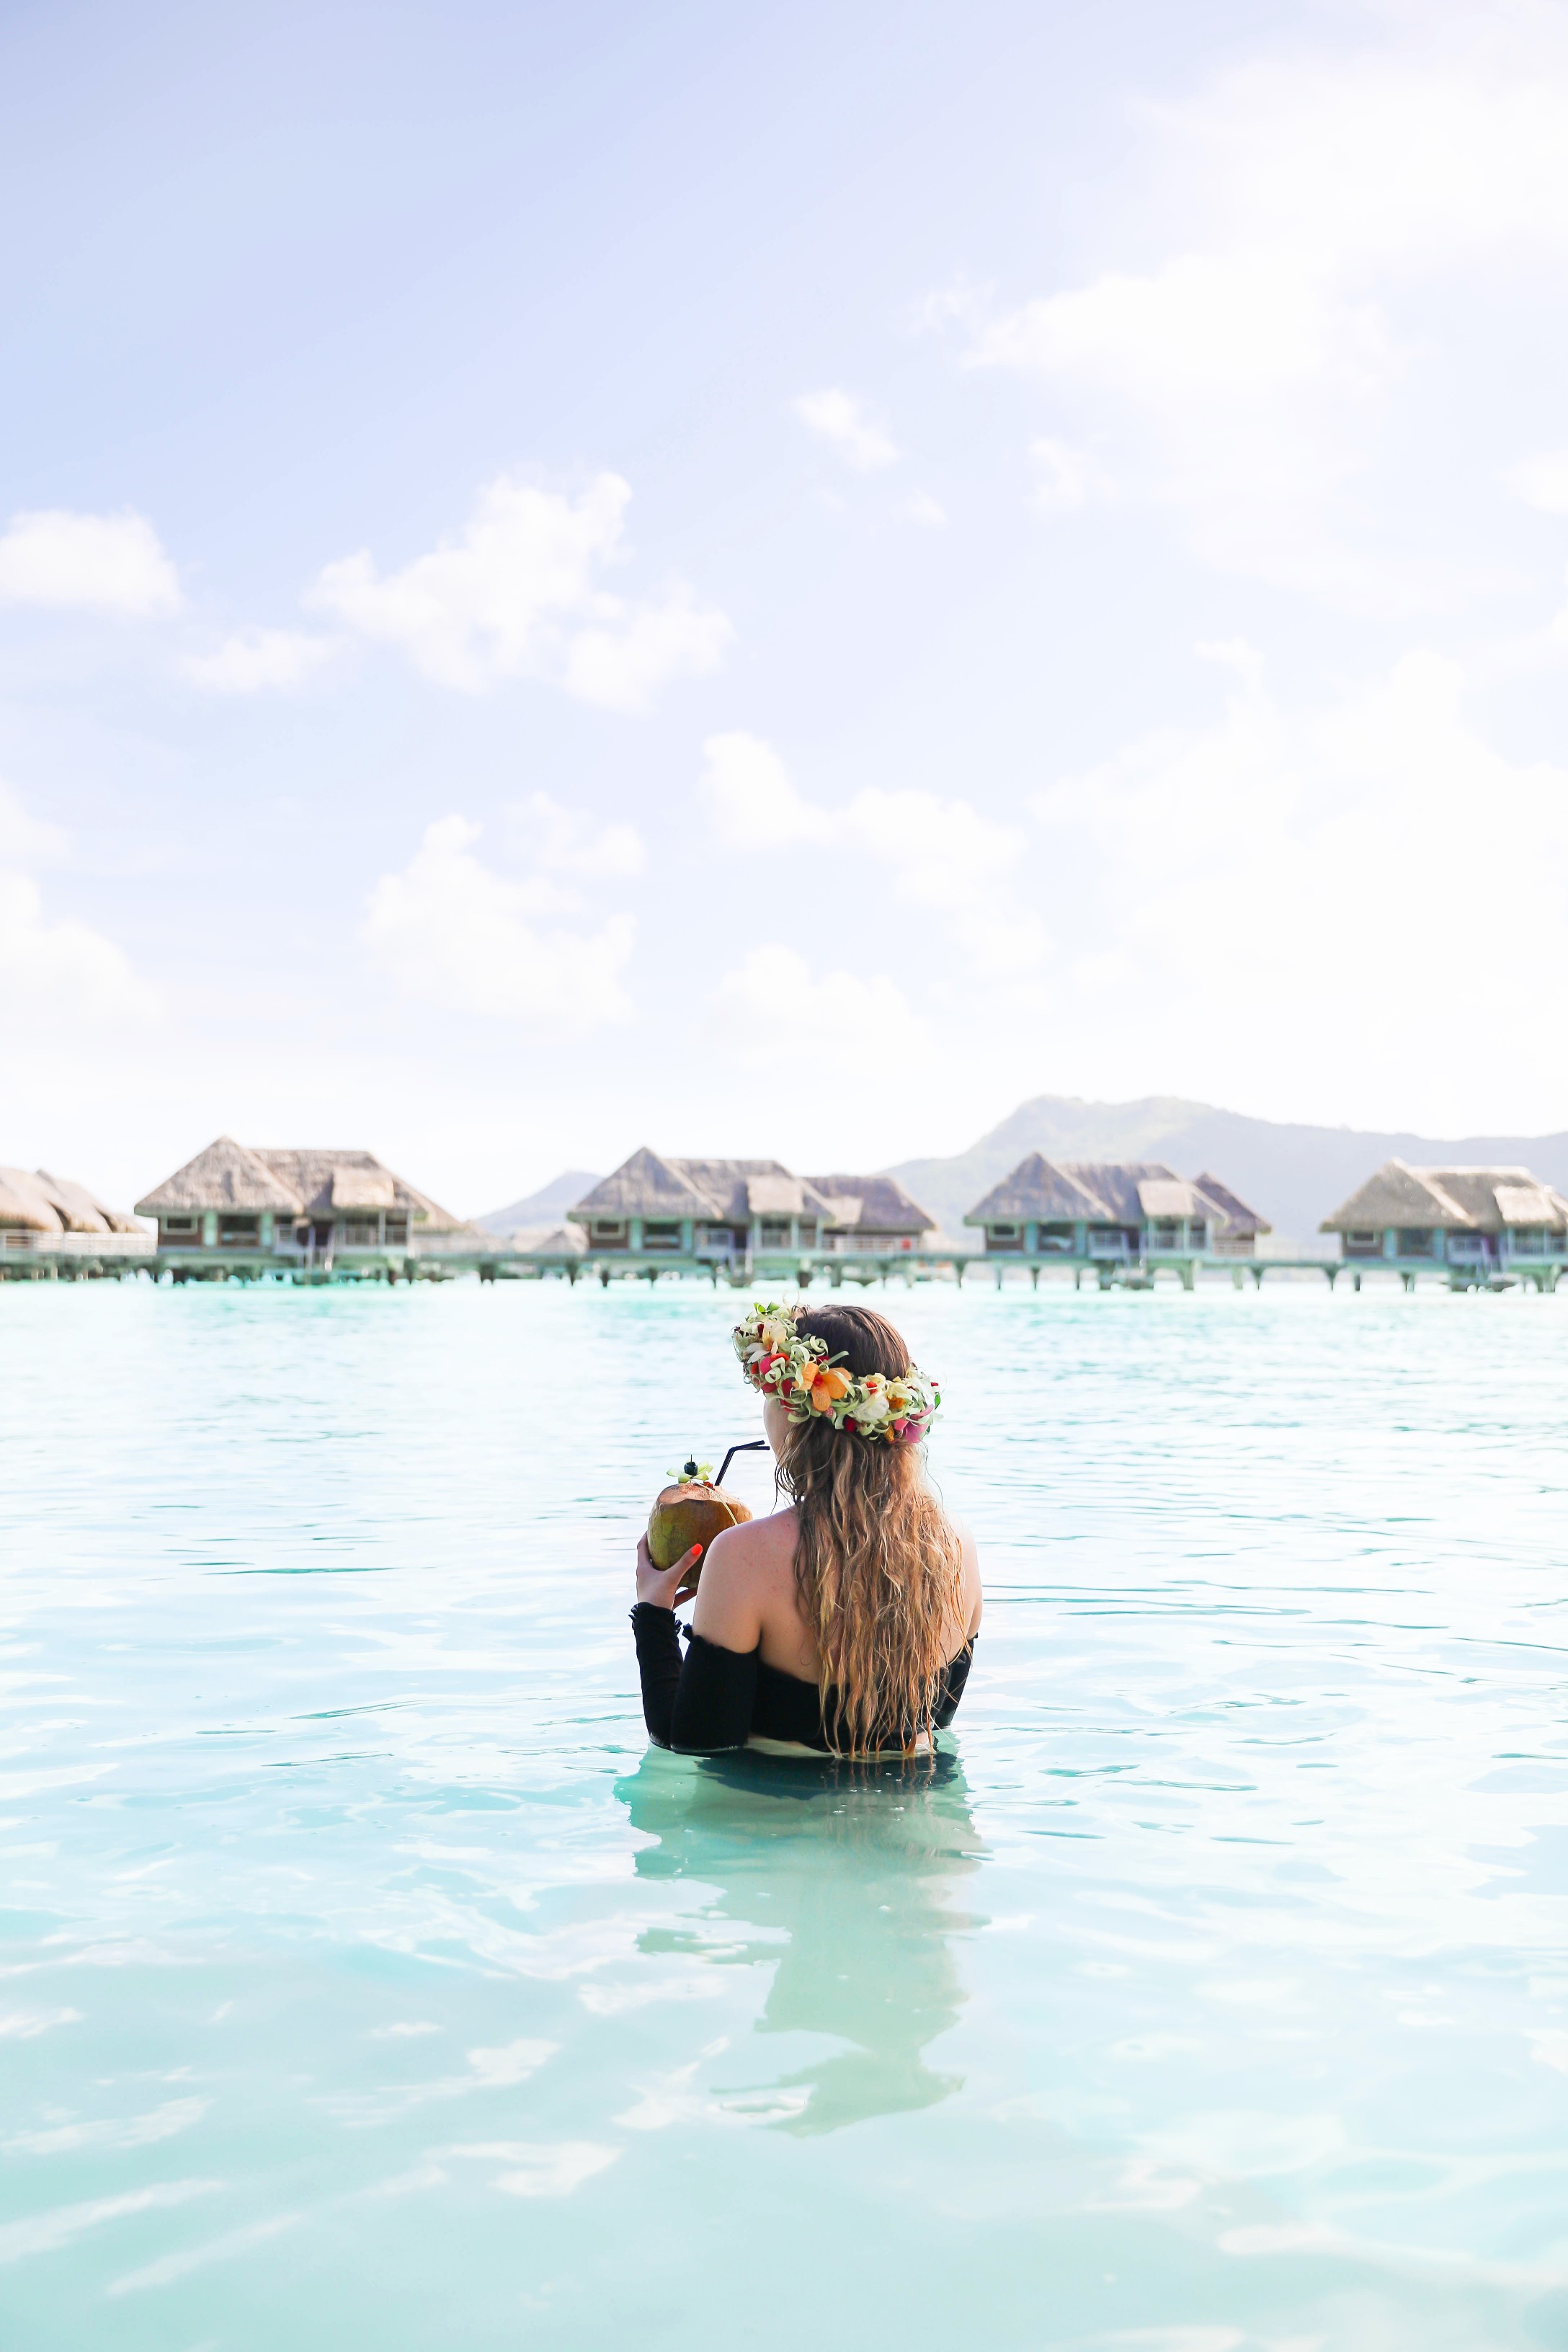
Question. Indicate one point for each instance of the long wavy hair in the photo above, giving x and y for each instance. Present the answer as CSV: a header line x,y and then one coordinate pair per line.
x,y
878,1567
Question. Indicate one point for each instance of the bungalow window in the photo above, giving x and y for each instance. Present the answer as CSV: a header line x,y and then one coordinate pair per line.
x,y
1108,1241
807,1233
1416,1241
662,1235
238,1233
1364,1243
1164,1233
397,1233
358,1233
1004,1237
775,1233
1056,1237
610,1232
1530,1241
179,1228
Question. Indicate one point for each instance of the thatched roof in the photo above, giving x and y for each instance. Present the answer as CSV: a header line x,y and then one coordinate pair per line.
x,y
877,1205
729,1184
1240,1220
645,1186
225,1176
1101,1191
775,1196
1035,1188
1456,1199
1110,1192
724,1192
1167,1196
363,1187
1527,1204
61,1204
80,1210
314,1177
229,1175
23,1207
550,1241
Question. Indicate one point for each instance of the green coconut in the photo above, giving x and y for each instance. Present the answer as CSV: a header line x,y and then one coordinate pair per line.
x,y
693,1511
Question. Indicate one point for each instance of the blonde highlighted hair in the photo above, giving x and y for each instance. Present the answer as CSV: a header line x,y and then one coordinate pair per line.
x,y
879,1571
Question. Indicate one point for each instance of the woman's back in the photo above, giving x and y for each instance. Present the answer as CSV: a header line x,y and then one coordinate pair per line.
x,y
852,1610
750,1598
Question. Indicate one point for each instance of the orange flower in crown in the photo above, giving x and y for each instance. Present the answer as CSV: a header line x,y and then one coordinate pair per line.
x,y
782,1362
825,1387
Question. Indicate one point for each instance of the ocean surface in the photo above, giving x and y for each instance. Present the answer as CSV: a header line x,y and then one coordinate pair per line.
x,y
366,1981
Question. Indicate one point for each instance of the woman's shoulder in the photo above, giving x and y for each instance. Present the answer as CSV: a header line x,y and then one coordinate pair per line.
x,y
756,1546
974,1591
744,1571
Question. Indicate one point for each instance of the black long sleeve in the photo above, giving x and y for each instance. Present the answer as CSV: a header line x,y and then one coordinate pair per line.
x,y
700,1707
950,1689
717,1699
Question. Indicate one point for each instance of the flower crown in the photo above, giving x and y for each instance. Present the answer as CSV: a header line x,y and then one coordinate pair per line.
x,y
812,1384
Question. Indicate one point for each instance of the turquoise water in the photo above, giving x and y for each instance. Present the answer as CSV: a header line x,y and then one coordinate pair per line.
x,y
365,1980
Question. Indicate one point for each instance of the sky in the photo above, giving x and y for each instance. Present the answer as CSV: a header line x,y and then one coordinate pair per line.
x,y
776,580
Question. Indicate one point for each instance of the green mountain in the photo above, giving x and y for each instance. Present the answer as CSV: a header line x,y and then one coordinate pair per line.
x,y
1292,1175
541,1208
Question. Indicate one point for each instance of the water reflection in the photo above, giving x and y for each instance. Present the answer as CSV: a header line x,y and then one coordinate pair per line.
x,y
848,1877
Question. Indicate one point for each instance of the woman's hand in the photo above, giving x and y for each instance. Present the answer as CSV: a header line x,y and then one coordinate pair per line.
x,y
662,1585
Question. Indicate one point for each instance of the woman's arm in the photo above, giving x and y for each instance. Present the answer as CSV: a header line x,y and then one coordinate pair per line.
x,y
702,1705
974,1603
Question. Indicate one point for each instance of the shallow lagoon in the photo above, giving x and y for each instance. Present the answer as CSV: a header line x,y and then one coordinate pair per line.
x,y
366,1980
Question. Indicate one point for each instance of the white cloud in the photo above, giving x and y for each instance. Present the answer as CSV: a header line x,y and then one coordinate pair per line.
x,y
1541,481
54,972
922,508
774,998
517,596
1065,477
456,936
566,842
841,420
754,804
1325,894
940,854
621,666
55,969
86,562
258,661
27,840
1295,219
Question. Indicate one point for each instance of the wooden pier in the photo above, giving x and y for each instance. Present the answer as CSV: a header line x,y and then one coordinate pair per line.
x,y
833,1269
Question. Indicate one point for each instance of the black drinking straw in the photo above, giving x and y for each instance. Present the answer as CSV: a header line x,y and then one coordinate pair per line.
x,y
749,1445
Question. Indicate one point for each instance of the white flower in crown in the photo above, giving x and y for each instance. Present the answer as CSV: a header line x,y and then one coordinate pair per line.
x,y
780,1362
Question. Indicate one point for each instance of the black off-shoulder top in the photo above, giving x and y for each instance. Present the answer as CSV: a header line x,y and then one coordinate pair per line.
x,y
717,1699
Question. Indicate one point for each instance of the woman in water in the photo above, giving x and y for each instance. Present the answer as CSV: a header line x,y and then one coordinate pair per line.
x,y
844,1623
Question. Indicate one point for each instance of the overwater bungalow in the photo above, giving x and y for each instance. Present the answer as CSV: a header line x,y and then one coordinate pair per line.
x,y
1478,1222
49,1221
870,1217
718,1214
238,1209
1113,1214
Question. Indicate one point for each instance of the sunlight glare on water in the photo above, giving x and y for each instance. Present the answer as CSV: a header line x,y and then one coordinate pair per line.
x,y
368,1980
